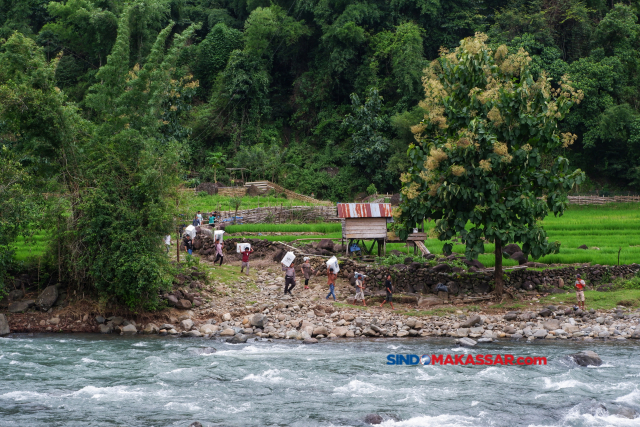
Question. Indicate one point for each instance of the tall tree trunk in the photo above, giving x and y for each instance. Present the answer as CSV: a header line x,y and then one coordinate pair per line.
x,y
497,275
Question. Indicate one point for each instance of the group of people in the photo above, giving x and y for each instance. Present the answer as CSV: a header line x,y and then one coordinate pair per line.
x,y
307,270
198,219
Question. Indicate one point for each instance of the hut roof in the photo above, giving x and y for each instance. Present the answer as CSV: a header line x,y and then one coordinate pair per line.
x,y
364,210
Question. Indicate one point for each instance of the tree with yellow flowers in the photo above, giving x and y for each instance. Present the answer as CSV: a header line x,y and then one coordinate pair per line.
x,y
476,168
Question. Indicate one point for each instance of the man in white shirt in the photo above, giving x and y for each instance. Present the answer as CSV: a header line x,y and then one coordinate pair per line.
x,y
167,242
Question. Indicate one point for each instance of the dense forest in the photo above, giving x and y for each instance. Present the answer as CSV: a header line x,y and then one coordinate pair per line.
x,y
113,104
319,95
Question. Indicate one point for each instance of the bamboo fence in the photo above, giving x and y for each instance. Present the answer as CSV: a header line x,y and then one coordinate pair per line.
x,y
601,200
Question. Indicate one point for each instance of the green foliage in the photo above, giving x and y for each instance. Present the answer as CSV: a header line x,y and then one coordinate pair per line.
x,y
214,51
462,170
371,190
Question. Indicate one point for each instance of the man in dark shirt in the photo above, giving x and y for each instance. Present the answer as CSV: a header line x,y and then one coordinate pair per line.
x,y
188,245
245,259
388,286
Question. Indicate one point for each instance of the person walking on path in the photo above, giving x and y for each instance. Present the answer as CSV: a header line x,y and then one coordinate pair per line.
x,y
580,284
331,280
167,242
289,278
188,245
388,286
245,259
307,271
219,254
360,289
199,216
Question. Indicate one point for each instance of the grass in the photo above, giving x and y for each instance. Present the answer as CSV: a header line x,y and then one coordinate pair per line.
x,y
324,228
31,247
597,300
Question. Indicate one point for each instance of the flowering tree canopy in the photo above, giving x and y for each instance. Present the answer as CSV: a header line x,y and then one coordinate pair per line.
x,y
477,166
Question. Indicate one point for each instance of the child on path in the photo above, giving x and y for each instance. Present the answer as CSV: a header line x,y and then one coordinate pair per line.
x,y
580,284
307,271
332,283
360,289
245,260
388,286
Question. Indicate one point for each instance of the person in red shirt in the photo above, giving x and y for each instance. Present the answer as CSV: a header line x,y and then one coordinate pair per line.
x,y
580,291
245,259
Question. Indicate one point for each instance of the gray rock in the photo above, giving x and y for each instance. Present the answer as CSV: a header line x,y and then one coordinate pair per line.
x,y
20,306
4,325
106,329
129,330
373,419
167,326
511,316
47,298
485,340
472,321
466,342
540,333
193,334
205,350
310,341
195,424
551,324
186,324
586,358
100,319
151,328
257,321
623,412
545,312
516,336
237,339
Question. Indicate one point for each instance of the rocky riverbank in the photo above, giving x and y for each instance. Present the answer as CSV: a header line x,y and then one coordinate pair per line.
x,y
264,312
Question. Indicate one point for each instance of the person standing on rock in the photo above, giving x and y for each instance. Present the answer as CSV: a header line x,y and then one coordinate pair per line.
x,y
289,278
331,280
307,271
580,284
219,254
167,242
388,287
188,245
245,259
360,289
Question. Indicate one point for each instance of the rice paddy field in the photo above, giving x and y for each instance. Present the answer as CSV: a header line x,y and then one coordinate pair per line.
x,y
223,203
604,229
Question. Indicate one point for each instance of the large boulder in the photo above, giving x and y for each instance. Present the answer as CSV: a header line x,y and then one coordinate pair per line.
x,y
151,328
238,339
340,331
4,325
326,244
186,324
373,419
184,304
47,298
551,324
257,321
586,358
466,342
320,330
20,306
472,321
209,329
129,330
520,257
511,249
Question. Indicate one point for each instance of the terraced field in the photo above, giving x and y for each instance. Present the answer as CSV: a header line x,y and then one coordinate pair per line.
x,y
604,229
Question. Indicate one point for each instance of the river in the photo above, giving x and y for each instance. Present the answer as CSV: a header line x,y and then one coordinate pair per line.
x,y
93,380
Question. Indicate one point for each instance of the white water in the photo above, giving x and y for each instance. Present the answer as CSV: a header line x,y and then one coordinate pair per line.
x,y
91,380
